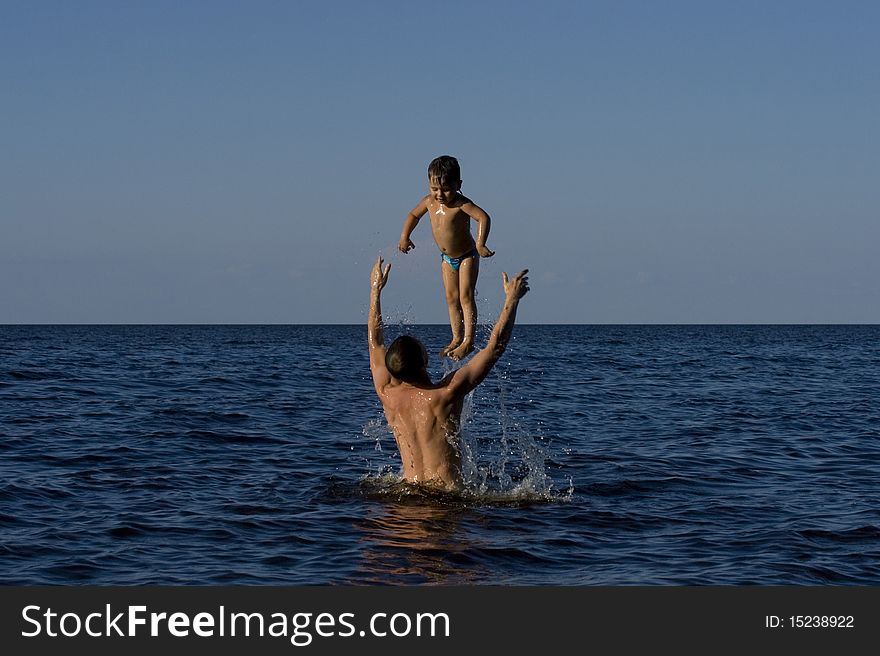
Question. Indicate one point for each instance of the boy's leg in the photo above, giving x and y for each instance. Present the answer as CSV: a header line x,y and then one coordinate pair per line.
x,y
467,284
453,303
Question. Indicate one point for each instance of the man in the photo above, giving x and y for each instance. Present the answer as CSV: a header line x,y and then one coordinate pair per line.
x,y
424,416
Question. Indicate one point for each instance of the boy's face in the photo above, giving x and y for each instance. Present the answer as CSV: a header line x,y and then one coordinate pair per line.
x,y
443,192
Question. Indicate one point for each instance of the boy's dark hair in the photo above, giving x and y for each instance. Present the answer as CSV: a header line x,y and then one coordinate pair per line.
x,y
405,358
445,169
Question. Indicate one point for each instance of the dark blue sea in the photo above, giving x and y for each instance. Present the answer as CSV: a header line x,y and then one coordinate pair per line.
x,y
610,455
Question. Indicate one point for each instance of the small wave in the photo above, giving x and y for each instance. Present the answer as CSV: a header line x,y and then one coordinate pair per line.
x,y
862,533
29,375
132,529
78,461
190,412
37,491
281,561
8,519
125,532
251,509
228,438
621,488
229,416
216,380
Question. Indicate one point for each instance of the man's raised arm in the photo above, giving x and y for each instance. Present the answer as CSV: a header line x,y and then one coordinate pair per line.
x,y
473,373
375,330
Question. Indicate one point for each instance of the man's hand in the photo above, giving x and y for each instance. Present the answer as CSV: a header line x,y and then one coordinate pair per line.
x,y
378,278
405,245
518,287
484,252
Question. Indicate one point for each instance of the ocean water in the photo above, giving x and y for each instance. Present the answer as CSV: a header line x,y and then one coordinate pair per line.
x,y
609,455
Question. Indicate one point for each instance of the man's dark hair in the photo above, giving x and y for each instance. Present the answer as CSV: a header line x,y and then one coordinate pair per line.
x,y
405,358
445,169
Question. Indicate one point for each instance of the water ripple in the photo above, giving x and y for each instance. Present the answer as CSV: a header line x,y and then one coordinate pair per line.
x,y
611,455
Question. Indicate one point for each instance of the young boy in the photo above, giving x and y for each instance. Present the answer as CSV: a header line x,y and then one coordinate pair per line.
x,y
451,214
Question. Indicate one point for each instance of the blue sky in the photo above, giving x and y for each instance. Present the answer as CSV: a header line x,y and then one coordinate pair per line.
x,y
232,162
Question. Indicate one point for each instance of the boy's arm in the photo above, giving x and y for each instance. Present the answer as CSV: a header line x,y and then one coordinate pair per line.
x,y
475,371
484,223
375,330
409,224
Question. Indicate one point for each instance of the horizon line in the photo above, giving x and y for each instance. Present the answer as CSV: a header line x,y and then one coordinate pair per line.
x,y
258,324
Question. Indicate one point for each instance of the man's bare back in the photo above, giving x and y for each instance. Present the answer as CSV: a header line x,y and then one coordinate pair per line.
x,y
425,422
425,416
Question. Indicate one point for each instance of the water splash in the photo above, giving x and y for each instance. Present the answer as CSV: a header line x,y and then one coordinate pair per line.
x,y
383,462
400,320
389,487
499,454
501,460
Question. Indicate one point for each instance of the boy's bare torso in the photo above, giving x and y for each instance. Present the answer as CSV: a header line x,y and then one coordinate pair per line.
x,y
451,226
424,420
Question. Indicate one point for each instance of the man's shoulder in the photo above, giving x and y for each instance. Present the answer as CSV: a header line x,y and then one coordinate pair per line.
x,y
439,389
397,388
449,387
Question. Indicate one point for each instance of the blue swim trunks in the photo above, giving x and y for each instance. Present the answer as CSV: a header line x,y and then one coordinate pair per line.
x,y
455,262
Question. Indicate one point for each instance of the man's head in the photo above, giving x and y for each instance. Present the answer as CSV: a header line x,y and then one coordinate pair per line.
x,y
406,358
444,178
